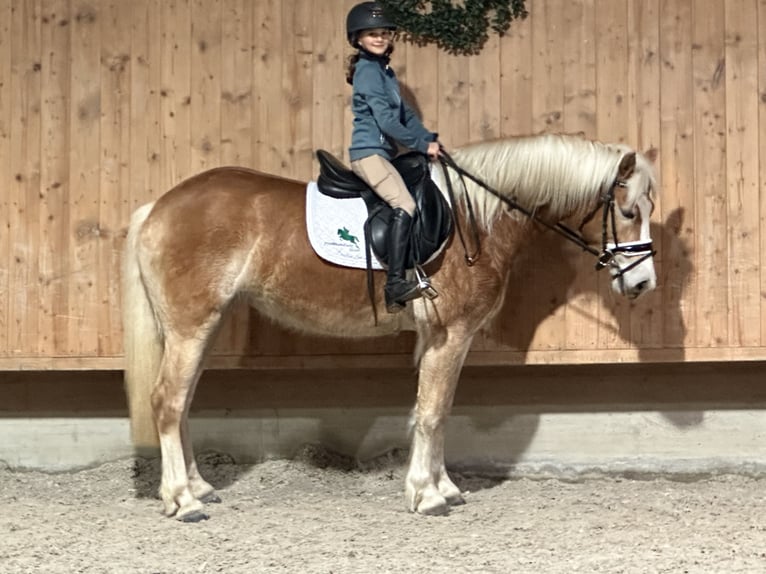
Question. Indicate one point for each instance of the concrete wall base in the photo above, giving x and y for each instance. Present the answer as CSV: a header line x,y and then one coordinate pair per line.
x,y
635,420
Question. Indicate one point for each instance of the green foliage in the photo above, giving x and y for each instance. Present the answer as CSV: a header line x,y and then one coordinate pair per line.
x,y
460,27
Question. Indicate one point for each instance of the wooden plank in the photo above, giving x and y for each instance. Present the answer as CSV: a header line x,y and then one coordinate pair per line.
x,y
644,134
268,111
175,95
114,200
742,139
484,92
579,116
396,360
330,90
54,205
297,83
421,82
23,231
678,284
612,126
762,151
547,110
84,177
516,66
710,173
6,108
547,105
146,143
236,147
348,117
453,106
237,86
205,85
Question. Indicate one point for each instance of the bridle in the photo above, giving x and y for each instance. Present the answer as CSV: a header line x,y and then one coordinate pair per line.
x,y
605,257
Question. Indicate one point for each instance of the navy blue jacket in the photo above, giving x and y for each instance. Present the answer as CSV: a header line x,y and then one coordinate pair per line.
x,y
381,118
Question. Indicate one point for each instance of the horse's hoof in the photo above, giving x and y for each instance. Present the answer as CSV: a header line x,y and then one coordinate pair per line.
x,y
437,507
192,516
211,498
455,500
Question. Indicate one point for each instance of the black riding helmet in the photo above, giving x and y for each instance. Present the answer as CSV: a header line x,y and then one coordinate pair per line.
x,y
366,16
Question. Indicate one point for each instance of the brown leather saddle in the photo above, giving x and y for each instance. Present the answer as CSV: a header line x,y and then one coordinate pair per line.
x,y
432,223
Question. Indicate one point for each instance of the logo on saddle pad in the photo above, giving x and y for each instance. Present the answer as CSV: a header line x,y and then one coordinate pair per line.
x,y
346,235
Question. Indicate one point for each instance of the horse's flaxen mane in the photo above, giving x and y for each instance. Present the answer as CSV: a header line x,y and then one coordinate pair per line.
x,y
562,172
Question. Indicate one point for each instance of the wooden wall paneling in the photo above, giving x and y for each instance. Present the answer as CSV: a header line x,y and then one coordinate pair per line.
x,y
205,90
85,149
175,123
516,92
612,126
710,172
421,85
114,189
269,111
83,142
270,116
236,146
146,93
297,84
762,153
236,82
547,67
547,116
643,134
23,289
6,108
485,123
742,141
579,116
54,179
453,107
677,185
516,68
330,91
484,92
347,50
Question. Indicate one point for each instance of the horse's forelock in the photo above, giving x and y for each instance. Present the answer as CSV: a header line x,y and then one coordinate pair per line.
x,y
564,173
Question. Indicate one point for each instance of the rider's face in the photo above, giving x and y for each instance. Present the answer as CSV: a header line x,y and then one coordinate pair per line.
x,y
376,41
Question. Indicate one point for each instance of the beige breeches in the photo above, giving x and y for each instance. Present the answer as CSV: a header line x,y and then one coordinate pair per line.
x,y
378,172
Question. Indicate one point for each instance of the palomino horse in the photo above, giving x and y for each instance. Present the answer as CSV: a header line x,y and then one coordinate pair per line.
x,y
232,232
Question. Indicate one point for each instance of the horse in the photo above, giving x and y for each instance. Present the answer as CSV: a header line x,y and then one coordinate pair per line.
x,y
234,232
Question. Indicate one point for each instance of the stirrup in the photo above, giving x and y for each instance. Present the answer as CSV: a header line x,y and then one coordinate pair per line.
x,y
424,284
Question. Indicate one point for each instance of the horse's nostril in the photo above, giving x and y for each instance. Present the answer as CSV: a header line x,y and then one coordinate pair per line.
x,y
641,287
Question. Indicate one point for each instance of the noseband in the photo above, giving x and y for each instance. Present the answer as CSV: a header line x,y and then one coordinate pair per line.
x,y
604,258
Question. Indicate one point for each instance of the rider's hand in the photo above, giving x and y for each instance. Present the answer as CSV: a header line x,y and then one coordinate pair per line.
x,y
434,150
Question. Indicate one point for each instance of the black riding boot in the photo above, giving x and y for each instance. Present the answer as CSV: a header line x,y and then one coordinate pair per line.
x,y
398,289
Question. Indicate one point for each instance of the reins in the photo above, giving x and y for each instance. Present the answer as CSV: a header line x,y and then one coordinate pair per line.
x,y
605,257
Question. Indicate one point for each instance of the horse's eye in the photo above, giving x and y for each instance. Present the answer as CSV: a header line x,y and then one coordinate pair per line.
x,y
628,214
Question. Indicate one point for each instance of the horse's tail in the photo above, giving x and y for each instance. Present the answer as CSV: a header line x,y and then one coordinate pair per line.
x,y
142,339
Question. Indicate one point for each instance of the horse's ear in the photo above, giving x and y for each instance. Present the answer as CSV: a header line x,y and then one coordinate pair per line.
x,y
627,166
652,154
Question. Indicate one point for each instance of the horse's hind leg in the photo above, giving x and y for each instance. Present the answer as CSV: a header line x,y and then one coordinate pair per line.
x,y
429,490
179,372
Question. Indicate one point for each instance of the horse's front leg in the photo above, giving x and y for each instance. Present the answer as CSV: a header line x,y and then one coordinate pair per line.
x,y
429,489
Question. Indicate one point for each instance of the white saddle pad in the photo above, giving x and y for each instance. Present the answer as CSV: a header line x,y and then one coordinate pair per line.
x,y
336,228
